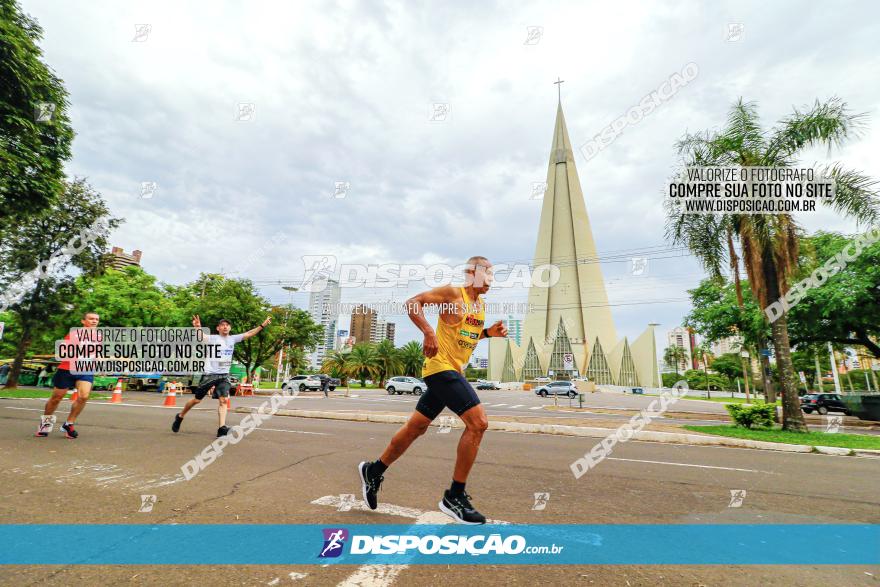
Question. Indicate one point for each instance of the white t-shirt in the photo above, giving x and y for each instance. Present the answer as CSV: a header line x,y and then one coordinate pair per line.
x,y
222,365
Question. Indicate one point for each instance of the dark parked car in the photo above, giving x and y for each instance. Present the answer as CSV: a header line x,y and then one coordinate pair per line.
x,y
823,403
487,385
557,388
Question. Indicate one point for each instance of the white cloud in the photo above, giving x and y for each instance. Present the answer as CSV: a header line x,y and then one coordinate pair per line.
x,y
342,93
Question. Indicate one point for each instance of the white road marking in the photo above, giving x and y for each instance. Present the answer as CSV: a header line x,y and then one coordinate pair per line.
x,y
689,465
536,408
294,431
496,405
518,406
384,575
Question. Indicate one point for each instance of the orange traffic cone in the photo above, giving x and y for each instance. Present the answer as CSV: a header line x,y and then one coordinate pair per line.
x,y
74,396
117,393
171,396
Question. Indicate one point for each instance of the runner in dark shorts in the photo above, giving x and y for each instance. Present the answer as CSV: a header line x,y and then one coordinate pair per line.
x,y
216,378
459,329
447,389
62,382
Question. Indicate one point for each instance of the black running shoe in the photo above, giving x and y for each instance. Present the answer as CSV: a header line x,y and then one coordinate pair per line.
x,y
222,431
370,485
459,508
175,427
69,431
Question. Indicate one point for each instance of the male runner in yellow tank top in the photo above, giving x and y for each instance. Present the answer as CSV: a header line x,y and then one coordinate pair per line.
x,y
459,328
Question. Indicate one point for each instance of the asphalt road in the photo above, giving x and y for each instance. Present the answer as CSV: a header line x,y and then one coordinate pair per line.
x,y
293,470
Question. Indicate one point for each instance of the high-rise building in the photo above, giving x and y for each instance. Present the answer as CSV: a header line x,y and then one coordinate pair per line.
x,y
363,320
377,333
389,331
514,329
571,331
731,344
682,338
323,308
119,259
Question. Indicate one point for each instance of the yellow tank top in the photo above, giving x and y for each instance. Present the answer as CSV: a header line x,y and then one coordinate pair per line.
x,y
456,342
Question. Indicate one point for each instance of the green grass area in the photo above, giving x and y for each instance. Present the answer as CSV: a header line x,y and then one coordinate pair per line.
x,y
777,435
724,399
731,400
41,393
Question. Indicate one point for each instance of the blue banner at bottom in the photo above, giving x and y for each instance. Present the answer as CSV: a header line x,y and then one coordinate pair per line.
x,y
624,544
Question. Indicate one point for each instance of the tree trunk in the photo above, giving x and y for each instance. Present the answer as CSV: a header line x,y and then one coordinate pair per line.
x,y
734,268
20,351
792,416
767,377
819,374
745,369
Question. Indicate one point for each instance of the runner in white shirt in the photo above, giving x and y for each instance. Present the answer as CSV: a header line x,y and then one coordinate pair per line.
x,y
217,371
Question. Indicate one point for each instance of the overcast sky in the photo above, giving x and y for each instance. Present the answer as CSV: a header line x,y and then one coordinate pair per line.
x,y
343,92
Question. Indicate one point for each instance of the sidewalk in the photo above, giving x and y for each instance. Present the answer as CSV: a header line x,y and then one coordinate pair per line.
x,y
536,427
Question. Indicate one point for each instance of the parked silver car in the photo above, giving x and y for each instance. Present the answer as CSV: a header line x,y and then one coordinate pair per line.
x,y
401,385
557,388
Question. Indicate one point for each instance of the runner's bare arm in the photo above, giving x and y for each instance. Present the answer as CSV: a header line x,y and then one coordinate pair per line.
x,y
441,296
497,329
254,331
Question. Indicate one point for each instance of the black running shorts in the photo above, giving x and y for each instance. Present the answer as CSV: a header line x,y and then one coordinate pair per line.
x,y
220,383
447,389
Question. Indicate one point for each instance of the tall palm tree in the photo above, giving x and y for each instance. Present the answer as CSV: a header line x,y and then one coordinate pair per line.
x,y
703,354
413,358
335,364
769,242
673,356
388,359
363,363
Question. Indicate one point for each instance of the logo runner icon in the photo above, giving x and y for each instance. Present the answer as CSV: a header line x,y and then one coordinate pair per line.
x,y
334,541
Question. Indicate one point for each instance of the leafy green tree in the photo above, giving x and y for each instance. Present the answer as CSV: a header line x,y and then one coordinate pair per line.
x,y
363,363
727,365
130,297
35,257
34,139
413,358
845,309
769,243
214,297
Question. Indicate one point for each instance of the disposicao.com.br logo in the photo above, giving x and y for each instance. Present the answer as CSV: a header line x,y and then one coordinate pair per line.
x,y
430,544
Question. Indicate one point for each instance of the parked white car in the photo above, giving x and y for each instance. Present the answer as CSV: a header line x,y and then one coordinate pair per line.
x,y
401,385
304,382
542,379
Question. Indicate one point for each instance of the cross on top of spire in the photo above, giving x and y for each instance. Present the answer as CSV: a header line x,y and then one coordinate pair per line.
x,y
558,83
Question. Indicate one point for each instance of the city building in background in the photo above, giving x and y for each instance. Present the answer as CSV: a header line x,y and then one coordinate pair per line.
x,y
363,323
681,337
119,259
322,308
389,331
731,344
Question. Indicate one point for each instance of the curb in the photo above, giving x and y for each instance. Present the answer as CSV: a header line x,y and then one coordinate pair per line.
x,y
582,431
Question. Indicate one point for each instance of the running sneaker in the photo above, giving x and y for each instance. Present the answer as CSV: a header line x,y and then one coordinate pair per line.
x,y
370,485
69,431
47,423
222,431
459,508
175,427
